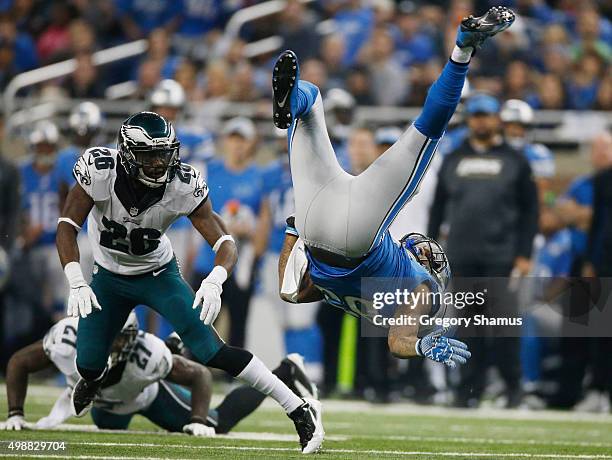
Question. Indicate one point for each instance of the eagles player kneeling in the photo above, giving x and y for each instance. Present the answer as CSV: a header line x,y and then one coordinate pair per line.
x,y
132,195
144,378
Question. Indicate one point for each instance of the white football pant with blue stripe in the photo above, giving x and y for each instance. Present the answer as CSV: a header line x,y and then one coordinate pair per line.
x,y
347,214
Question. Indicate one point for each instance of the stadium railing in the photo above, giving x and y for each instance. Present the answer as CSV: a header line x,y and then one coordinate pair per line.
x,y
63,68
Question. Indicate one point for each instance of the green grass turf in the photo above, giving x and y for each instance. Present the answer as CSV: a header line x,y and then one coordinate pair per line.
x,y
355,430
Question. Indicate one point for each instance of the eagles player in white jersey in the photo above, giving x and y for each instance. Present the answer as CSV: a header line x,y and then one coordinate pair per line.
x,y
132,195
144,378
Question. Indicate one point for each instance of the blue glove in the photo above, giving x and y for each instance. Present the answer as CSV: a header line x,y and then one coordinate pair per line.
x,y
442,349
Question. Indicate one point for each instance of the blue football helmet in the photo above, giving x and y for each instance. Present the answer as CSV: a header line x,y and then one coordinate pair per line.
x,y
430,255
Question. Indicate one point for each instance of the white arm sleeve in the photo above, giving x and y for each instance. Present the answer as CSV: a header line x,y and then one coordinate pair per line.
x,y
296,267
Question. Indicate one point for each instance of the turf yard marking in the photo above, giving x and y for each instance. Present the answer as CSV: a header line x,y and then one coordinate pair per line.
x,y
326,450
241,435
278,437
467,440
92,457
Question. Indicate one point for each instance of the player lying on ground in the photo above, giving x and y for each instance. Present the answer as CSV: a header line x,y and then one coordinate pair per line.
x,y
143,378
132,195
343,220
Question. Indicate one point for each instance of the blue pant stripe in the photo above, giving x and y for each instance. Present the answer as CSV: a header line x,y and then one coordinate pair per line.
x,y
422,164
290,133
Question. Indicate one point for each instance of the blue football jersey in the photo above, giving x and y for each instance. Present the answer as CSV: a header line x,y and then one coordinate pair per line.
x,y
149,14
355,26
235,195
553,255
201,16
279,191
541,160
66,159
40,200
342,287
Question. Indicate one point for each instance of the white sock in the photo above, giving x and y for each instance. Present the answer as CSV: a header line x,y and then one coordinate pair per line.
x,y
257,375
462,55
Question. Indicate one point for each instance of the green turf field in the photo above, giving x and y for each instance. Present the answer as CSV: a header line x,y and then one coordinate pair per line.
x,y
355,430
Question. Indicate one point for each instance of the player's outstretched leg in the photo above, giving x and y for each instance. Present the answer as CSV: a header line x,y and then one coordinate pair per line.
x,y
403,165
244,400
315,170
292,97
305,413
172,297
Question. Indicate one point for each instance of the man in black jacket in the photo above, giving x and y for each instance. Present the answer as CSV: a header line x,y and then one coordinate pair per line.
x,y
599,264
487,195
9,208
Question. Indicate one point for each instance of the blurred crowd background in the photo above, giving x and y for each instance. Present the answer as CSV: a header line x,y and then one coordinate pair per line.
x,y
383,52
71,71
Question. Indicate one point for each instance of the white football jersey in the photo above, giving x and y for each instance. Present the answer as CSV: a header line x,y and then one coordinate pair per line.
x,y
130,386
128,238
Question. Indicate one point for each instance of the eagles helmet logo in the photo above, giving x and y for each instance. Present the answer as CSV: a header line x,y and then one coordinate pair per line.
x,y
149,148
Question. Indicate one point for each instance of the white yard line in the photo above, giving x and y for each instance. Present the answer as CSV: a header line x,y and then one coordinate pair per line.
x,y
93,457
44,393
241,435
279,437
330,451
468,440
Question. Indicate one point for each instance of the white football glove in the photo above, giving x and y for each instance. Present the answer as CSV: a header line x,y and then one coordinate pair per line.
x,y
199,429
82,299
209,295
15,423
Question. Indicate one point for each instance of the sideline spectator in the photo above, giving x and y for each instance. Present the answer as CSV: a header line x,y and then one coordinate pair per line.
x,y
40,211
388,79
85,82
141,17
237,194
298,30
485,192
9,212
579,354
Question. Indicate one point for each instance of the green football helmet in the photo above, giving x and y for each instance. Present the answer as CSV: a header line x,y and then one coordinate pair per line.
x,y
149,148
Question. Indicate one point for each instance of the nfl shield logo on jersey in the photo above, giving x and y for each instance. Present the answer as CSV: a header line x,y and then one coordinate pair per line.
x,y
133,211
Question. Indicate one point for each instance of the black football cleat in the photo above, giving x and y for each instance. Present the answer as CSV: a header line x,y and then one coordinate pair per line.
x,y
84,393
309,425
474,31
285,77
298,381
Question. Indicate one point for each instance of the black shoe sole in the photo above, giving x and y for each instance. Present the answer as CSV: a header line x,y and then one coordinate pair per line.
x,y
284,79
495,20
